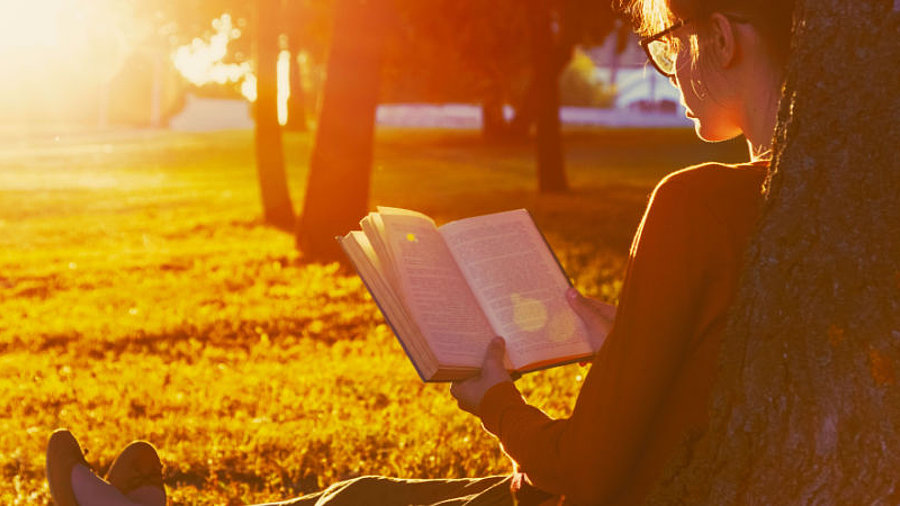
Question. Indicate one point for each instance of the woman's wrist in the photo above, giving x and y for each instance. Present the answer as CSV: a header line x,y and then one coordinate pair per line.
x,y
495,402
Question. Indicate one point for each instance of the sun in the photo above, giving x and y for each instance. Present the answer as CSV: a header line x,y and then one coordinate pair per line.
x,y
51,47
30,25
71,32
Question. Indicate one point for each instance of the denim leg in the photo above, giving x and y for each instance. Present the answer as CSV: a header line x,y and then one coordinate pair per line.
x,y
382,491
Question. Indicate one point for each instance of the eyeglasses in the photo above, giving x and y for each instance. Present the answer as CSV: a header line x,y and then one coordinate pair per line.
x,y
662,49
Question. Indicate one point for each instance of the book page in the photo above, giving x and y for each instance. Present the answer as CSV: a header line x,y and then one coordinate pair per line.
x,y
365,259
435,290
519,284
373,228
366,247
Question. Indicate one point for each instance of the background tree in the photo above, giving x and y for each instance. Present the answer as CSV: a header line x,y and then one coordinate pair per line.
x,y
549,56
276,200
440,51
261,24
337,191
303,25
459,51
557,26
807,407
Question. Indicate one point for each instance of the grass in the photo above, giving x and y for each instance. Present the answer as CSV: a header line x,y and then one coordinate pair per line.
x,y
141,297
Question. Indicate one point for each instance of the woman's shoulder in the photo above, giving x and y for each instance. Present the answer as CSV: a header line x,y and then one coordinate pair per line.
x,y
712,181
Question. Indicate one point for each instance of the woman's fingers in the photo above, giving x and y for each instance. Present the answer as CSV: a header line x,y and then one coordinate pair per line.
x,y
468,393
592,311
496,351
597,316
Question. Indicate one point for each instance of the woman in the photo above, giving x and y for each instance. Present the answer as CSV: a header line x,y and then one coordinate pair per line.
x,y
650,381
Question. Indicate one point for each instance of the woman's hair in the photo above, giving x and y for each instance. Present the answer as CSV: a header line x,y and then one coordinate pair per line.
x,y
771,18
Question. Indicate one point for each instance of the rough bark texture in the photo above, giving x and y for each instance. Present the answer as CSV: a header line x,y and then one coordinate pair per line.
x,y
806,409
276,200
338,189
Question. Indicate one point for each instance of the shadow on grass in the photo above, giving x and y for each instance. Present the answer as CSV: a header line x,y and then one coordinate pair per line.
x,y
185,343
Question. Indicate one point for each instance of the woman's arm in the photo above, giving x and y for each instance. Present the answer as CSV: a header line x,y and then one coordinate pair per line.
x,y
590,455
597,316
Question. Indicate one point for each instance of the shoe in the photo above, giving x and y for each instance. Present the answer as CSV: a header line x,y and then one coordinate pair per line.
x,y
63,453
138,465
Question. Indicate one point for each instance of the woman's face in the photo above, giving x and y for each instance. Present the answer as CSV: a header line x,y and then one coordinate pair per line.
x,y
705,93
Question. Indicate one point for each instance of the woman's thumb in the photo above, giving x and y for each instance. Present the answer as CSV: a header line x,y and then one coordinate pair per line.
x,y
583,306
578,302
591,311
496,349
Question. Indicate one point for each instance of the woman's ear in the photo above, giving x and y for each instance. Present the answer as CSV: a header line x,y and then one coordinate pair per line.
x,y
722,45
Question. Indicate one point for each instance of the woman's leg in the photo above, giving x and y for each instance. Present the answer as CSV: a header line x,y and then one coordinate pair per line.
x,y
493,490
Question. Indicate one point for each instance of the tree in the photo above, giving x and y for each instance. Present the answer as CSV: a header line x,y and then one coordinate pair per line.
x,y
548,63
276,200
337,191
456,50
295,13
296,103
557,26
807,407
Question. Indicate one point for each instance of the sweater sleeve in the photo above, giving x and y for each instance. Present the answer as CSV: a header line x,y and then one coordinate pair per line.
x,y
589,455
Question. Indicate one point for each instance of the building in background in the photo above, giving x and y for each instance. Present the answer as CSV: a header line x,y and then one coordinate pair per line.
x,y
638,86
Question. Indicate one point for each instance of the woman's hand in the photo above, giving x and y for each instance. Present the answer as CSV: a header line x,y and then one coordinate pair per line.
x,y
597,316
468,393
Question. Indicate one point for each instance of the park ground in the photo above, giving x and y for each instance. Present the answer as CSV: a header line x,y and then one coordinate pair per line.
x,y
142,298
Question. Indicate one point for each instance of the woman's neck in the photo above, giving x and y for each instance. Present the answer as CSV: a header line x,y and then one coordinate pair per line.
x,y
760,119
761,114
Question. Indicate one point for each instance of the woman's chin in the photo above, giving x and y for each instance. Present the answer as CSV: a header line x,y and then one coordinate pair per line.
x,y
701,132
710,135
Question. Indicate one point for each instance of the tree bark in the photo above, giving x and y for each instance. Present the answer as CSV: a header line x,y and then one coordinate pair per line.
x,y
806,409
548,141
276,200
338,188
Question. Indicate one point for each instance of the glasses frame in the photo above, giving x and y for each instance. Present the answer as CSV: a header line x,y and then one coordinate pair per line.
x,y
646,41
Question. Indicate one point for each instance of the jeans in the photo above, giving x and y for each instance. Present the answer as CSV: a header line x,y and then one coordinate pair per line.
x,y
381,491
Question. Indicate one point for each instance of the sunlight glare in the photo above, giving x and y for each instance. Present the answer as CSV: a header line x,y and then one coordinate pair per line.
x,y
284,85
58,55
200,62
248,88
529,314
31,24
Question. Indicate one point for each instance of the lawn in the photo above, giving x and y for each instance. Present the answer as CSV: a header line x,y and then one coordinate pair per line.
x,y
142,298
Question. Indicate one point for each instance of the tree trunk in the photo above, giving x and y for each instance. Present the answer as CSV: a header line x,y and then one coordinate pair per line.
x,y
548,141
296,105
807,407
493,123
523,116
338,189
276,200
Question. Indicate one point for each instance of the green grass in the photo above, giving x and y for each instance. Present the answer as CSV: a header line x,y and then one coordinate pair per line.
x,y
141,297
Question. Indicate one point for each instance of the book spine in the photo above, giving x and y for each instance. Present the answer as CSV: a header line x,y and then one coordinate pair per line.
x,y
552,253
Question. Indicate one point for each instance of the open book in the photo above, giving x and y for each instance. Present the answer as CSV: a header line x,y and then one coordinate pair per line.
x,y
447,291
